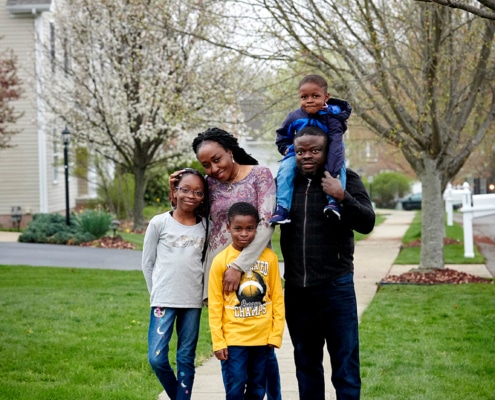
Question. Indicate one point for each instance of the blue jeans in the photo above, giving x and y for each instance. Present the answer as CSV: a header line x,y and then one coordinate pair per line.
x,y
160,331
244,372
272,378
285,182
315,315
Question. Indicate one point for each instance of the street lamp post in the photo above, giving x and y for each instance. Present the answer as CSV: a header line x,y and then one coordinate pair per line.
x,y
66,140
115,226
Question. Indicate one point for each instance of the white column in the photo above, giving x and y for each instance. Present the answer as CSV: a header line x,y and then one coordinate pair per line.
x,y
466,197
449,207
467,219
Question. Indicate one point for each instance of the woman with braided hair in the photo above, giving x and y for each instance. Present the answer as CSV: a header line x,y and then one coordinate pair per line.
x,y
234,176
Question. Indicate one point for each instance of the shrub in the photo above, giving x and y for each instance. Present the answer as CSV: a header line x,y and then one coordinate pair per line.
x,y
157,190
388,186
95,222
49,228
118,195
52,228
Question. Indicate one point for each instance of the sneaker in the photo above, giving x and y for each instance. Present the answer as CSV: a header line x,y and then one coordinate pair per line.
x,y
332,211
280,216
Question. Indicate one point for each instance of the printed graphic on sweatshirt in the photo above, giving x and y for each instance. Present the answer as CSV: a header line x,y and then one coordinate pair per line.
x,y
184,241
252,291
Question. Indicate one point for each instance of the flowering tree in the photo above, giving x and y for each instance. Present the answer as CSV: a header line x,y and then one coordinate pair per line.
x,y
10,90
132,80
420,76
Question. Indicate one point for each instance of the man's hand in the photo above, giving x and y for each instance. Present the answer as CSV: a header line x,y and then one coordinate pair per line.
x,y
332,187
222,354
231,279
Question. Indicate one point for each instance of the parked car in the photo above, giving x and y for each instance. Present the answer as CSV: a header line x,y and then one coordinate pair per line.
x,y
412,202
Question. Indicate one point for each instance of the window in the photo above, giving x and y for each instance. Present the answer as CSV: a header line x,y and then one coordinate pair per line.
x,y
52,46
56,161
371,154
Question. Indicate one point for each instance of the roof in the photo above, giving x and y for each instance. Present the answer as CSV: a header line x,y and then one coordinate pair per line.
x,y
28,6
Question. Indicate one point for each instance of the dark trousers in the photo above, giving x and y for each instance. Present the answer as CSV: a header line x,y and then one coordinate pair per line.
x,y
325,314
273,391
244,372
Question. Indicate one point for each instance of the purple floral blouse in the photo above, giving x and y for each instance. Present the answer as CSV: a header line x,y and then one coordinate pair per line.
x,y
257,188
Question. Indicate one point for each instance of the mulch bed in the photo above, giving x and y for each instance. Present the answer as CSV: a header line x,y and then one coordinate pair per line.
x,y
483,239
417,243
109,242
437,276
447,241
433,277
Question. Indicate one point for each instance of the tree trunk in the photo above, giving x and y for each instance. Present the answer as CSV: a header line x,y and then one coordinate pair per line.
x,y
432,224
139,189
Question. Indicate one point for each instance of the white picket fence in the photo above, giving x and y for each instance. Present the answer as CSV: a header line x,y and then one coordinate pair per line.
x,y
473,206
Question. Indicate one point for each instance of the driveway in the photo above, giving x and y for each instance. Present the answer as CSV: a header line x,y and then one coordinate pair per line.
x,y
53,255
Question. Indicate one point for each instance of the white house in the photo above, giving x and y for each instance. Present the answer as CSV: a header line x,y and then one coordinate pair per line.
x,y
32,171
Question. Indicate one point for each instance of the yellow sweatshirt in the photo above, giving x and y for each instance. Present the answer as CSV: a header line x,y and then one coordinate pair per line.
x,y
255,314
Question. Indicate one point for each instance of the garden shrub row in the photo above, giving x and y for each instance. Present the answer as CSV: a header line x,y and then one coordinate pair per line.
x,y
52,228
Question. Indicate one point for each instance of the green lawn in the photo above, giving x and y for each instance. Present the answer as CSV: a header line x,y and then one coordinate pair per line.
x,y
82,334
429,342
135,238
453,253
77,334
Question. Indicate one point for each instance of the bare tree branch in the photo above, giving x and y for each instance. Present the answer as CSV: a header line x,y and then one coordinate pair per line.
x,y
418,75
478,11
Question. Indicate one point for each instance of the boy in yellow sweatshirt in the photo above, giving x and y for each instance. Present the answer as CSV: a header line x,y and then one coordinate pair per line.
x,y
248,324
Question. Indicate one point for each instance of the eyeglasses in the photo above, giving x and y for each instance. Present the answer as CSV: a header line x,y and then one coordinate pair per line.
x,y
196,193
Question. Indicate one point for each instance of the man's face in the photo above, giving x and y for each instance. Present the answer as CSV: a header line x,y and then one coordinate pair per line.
x,y
311,153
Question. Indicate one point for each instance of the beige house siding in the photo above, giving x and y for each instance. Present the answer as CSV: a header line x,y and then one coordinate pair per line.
x,y
27,177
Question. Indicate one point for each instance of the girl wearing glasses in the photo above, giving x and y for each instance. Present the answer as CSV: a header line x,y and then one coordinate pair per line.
x,y
234,176
172,263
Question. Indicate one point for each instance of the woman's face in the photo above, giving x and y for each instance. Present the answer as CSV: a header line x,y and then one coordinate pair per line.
x,y
217,162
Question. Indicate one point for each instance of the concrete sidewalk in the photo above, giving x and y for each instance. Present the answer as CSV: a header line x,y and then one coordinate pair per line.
x,y
9,236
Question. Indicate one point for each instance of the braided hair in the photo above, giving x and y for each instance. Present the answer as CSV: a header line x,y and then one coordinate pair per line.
x,y
227,141
203,211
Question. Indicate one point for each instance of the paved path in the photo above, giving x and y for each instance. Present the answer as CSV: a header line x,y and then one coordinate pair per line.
x,y
54,255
